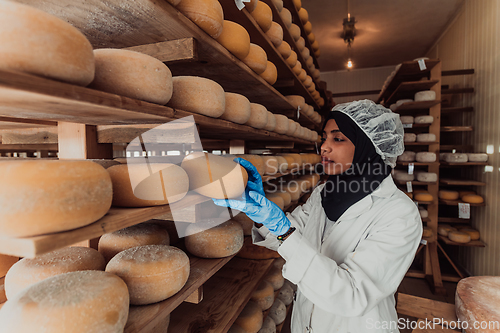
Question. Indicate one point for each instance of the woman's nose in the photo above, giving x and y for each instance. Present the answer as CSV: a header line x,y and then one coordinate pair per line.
x,y
325,148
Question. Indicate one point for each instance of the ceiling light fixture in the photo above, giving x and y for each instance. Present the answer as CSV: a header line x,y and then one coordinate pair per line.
x,y
348,34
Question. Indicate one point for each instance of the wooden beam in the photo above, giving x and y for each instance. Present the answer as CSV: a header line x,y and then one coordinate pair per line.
x,y
170,132
23,148
356,93
29,135
424,308
79,141
171,51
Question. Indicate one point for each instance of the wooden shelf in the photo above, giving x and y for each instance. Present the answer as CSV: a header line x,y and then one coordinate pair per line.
x,y
451,164
411,106
457,91
420,143
417,163
420,202
409,87
474,243
458,72
456,202
415,182
147,316
456,129
452,220
461,182
457,109
115,219
226,294
405,126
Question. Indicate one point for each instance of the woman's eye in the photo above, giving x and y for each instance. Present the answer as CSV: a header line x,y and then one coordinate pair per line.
x,y
338,139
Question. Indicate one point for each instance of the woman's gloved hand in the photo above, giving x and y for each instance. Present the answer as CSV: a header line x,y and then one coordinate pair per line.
x,y
255,204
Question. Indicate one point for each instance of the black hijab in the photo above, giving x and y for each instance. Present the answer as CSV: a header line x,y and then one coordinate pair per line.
x,y
367,171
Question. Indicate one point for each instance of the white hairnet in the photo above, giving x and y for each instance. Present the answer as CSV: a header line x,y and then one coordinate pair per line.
x,y
380,124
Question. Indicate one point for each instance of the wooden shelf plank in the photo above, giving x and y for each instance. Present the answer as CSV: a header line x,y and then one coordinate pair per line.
x,y
28,147
415,182
457,109
461,182
420,143
8,123
452,220
409,87
115,219
474,243
450,164
147,316
456,128
406,126
457,72
417,163
417,105
226,294
456,202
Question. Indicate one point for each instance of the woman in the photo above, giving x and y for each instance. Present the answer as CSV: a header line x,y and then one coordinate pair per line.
x,y
349,246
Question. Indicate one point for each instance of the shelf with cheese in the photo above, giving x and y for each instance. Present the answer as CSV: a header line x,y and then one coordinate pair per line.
x,y
472,243
456,109
456,202
416,106
460,182
456,129
453,164
407,89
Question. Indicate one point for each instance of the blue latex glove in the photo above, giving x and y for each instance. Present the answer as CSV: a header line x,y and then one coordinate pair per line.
x,y
254,182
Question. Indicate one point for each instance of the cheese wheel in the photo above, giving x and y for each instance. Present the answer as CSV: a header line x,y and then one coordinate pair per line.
x,y
448,195
46,196
296,101
297,68
301,44
250,5
245,222
425,157
256,59
6,263
303,15
423,213
427,232
258,116
444,229
286,16
304,77
306,54
214,238
275,34
473,233
424,120
256,160
149,184
263,15
286,294
426,137
275,278
282,164
409,137
214,176
309,110
278,4
308,27
27,272
278,200
424,196
132,74
250,318
295,31
406,119
477,157
407,156
426,95
292,125
105,163
404,176
311,89
286,197
292,59
456,158
297,4
207,14
403,101
152,272
428,177
317,53
472,198
235,39
459,237
198,95
308,81
271,163
271,122
263,295
277,312
112,243
268,326
284,49
311,37
281,124
77,302
38,43
256,252
237,108
462,193
270,74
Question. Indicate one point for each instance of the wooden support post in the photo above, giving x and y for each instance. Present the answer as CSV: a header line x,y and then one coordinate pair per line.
x,y
79,141
171,51
196,297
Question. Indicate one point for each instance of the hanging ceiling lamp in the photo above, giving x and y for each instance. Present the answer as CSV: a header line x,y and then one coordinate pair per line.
x,y
348,34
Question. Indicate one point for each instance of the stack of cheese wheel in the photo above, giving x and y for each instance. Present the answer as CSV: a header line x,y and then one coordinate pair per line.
x,y
27,272
256,160
214,176
270,74
444,229
150,184
214,238
263,295
250,318
112,243
79,302
271,163
61,195
50,47
207,14
263,15
198,95
235,39
132,74
152,272
282,124
237,108
275,34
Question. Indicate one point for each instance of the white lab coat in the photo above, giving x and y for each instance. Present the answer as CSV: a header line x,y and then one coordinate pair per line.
x,y
346,282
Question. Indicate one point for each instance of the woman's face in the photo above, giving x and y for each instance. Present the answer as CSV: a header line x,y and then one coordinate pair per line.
x,y
337,151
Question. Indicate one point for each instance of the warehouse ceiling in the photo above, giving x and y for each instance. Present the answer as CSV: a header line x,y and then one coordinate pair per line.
x,y
388,31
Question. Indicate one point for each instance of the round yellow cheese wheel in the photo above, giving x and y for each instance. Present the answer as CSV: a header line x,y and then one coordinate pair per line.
x,y
38,43
275,278
27,272
198,95
278,4
152,184
237,108
263,295
297,4
286,16
282,164
256,59
270,74
310,63
258,116
152,272
112,243
250,6
462,193
268,326
235,39
77,302
427,233
296,101
275,34
214,238
297,68
250,318
132,74
6,263
312,88
46,196
271,122
263,15
317,53
472,198
316,74
284,49
256,160
315,46
459,236
214,176
277,311
301,43
444,229
292,59
448,195
278,200
306,54
303,75
245,222
473,233
297,159
207,14
311,37
292,125
308,81
286,294
295,31
423,196
271,163
303,15
308,27
281,124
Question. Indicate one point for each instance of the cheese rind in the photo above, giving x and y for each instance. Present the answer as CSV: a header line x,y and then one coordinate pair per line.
x,y
275,34
426,137
263,15
424,196
409,137
303,15
455,158
271,122
426,95
275,278
428,177
459,237
286,17
235,39
258,116
214,238
406,119
472,198
308,27
473,233
270,74
281,124
250,318
263,295
237,108
424,120
425,157
407,156
448,195
207,14
477,157
268,326
256,59
295,31
284,49
286,294
278,312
